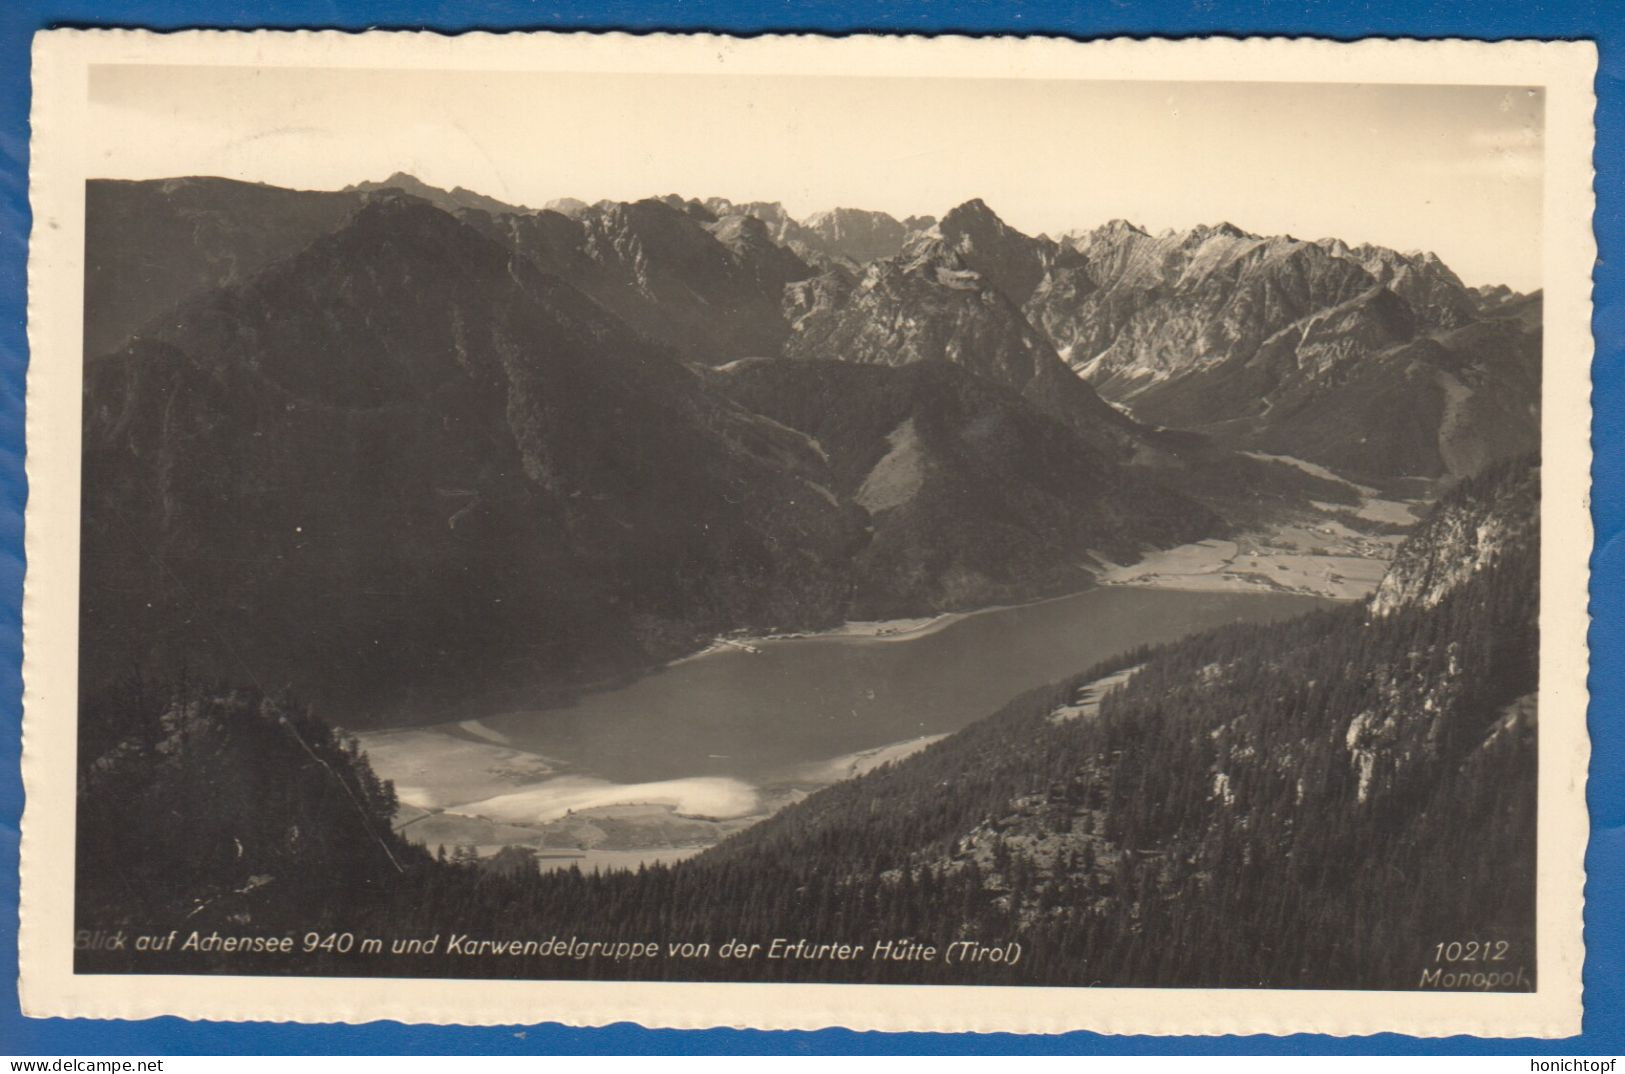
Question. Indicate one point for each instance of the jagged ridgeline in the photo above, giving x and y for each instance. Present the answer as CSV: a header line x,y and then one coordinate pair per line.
x,y
1313,803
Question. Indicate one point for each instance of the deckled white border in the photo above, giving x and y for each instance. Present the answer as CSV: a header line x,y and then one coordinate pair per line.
x,y
48,986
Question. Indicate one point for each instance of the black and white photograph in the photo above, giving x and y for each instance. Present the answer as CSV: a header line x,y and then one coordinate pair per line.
x,y
559,525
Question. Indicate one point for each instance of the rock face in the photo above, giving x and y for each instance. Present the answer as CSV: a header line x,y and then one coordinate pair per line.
x,y
934,303
850,237
931,308
1013,263
708,286
1444,404
1469,531
566,206
1373,362
948,298
1163,305
854,234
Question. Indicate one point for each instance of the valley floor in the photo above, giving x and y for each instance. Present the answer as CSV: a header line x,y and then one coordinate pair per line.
x,y
1340,553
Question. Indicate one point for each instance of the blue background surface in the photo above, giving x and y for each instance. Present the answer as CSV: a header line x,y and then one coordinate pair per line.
x,y
1601,20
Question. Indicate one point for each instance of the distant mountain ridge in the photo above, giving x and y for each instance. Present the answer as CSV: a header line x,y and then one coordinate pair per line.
x,y
450,200
708,288
1344,356
149,245
1376,363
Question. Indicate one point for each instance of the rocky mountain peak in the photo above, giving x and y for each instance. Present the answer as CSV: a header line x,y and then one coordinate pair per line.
x,y
566,206
404,180
740,226
1223,231
779,222
973,237
859,235
971,219
450,200
694,207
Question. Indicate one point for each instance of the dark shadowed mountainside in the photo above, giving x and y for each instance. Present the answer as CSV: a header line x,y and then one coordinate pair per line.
x,y
148,245
973,496
415,469
205,806
708,287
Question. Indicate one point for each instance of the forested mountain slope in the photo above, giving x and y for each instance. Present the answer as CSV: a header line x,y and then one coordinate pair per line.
x,y
971,494
203,804
413,473
1361,780
148,245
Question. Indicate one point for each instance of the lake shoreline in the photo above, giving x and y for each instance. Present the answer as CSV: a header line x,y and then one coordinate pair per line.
x,y
867,631
554,778
673,762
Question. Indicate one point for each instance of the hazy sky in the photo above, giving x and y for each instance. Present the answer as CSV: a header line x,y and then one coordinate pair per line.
x,y
1453,169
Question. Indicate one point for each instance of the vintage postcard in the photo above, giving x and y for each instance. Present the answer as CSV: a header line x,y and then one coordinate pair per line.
x,y
896,533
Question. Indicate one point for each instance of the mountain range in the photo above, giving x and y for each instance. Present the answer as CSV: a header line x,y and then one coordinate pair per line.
x,y
484,450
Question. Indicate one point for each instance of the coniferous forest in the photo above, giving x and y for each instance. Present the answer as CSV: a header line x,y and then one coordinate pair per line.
x,y
1327,802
